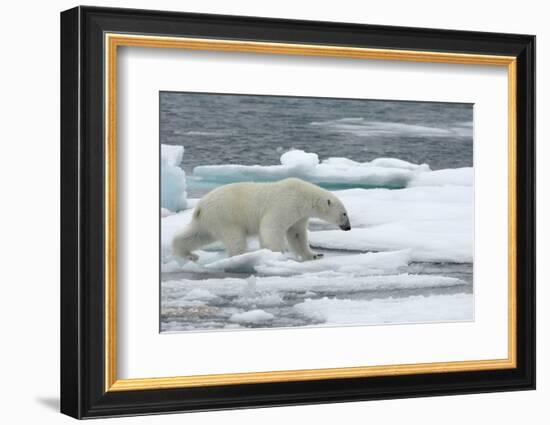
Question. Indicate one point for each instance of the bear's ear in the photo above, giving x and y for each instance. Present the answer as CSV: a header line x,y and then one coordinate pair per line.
x,y
328,202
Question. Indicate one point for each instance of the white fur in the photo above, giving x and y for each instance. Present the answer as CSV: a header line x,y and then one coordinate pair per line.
x,y
277,212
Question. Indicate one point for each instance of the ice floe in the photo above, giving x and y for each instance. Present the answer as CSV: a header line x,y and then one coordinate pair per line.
x,y
367,128
439,241
248,262
413,309
381,206
255,287
356,264
448,177
310,299
268,263
331,172
252,316
434,222
173,196
410,225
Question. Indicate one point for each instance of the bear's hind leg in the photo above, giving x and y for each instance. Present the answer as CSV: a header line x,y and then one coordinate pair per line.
x,y
188,240
297,238
234,241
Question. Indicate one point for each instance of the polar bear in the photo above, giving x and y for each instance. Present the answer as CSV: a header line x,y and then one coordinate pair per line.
x,y
273,211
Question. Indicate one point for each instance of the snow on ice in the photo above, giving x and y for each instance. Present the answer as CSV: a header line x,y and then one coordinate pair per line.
x,y
414,309
252,316
382,172
401,214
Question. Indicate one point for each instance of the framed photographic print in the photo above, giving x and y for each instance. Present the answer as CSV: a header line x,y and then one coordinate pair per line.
x,y
261,212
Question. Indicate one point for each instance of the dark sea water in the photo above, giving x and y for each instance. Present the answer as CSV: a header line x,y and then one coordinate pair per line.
x,y
243,129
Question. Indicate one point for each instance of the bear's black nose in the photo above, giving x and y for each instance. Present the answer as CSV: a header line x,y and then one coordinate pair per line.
x,y
345,227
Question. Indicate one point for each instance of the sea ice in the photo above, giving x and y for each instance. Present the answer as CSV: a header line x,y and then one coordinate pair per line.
x,y
413,309
200,294
381,172
165,212
381,206
246,263
251,317
173,196
365,128
170,225
438,241
435,223
451,176
340,299
268,290
430,219
354,264
269,263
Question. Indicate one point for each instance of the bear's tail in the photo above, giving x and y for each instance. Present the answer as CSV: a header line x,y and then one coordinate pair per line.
x,y
196,213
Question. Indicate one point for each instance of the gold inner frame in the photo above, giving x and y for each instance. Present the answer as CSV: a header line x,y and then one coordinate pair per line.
x,y
113,41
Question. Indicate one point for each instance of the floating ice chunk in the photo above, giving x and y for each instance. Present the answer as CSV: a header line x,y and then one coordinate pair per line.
x,y
267,290
170,306
246,263
205,133
231,326
171,155
359,264
294,163
170,226
169,265
252,317
381,172
208,303
342,172
165,212
435,222
172,192
200,294
413,309
251,284
428,241
255,300
299,160
269,263
365,128
342,282
380,206
451,176
398,163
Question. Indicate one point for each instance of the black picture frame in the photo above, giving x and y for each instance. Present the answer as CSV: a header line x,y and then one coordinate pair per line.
x,y
83,392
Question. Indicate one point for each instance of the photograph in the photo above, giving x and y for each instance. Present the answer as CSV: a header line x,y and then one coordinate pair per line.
x,y
287,211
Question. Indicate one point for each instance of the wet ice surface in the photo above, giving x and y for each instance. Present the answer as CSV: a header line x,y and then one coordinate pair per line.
x,y
422,293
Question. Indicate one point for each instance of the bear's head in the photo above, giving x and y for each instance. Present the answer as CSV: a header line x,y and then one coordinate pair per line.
x,y
330,209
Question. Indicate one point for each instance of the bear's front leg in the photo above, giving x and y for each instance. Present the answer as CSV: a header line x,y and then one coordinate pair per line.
x,y
297,238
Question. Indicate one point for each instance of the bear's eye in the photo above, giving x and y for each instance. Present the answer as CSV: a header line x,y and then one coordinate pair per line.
x,y
328,201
